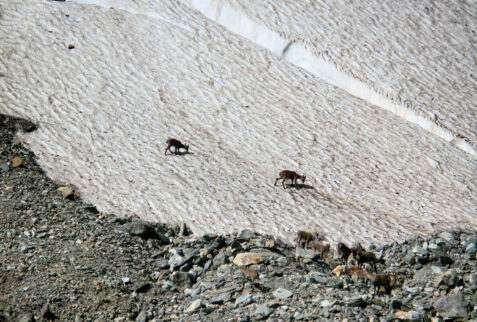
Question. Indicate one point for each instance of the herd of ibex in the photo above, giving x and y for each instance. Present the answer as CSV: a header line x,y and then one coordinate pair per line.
x,y
283,175
379,281
306,240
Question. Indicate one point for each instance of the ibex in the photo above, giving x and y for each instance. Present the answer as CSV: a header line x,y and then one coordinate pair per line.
x,y
321,249
365,257
343,252
386,281
177,146
303,238
250,274
292,175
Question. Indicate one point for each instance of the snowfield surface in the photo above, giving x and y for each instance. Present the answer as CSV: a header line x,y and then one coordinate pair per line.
x,y
423,55
139,75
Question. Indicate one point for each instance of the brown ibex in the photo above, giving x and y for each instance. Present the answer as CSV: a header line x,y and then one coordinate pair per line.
x,y
292,175
177,146
343,252
386,281
365,257
321,249
303,238
250,274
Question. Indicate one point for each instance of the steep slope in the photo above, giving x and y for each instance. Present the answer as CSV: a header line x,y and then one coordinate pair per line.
x,y
106,107
421,55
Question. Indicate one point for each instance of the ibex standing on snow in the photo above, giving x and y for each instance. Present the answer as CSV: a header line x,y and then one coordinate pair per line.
x,y
292,175
177,146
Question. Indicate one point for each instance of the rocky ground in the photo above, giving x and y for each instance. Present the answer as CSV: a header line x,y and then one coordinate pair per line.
x,y
62,259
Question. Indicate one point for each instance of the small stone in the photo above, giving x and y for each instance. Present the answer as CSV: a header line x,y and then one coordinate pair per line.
x,y
305,253
282,293
471,248
245,234
244,259
358,301
220,259
447,236
221,298
26,317
420,250
282,261
126,280
182,280
243,300
445,260
4,167
66,192
142,316
325,303
70,46
57,203
263,311
194,306
410,315
16,162
410,259
176,261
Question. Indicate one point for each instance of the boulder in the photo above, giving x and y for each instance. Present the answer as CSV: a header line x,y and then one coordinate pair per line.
x,y
282,293
249,258
451,306
194,306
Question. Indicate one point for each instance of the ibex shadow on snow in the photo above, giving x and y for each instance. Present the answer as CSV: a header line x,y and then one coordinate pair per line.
x,y
292,175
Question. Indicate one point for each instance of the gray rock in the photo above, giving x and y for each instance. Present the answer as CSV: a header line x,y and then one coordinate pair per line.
x,y
243,300
146,231
26,317
447,236
263,311
317,277
163,264
182,280
126,280
420,250
471,248
4,167
410,259
282,293
245,234
305,253
445,260
358,301
220,259
142,316
194,306
282,261
57,203
176,261
221,298
451,306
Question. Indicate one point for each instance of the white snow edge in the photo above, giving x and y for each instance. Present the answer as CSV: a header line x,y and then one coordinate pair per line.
x,y
236,21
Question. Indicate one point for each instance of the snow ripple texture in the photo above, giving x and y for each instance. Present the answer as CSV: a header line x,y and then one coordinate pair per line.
x,y
137,76
421,55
